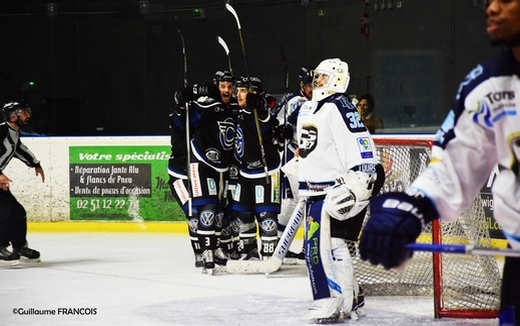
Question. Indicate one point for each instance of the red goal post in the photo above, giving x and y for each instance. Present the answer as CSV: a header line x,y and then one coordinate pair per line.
x,y
462,286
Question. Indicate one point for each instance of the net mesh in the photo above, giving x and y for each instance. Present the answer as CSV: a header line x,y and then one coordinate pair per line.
x,y
468,282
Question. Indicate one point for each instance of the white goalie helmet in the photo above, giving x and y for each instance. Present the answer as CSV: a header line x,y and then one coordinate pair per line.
x,y
350,195
331,76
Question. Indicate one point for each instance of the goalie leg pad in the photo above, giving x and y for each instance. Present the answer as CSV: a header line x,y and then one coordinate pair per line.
x,y
345,271
318,253
330,267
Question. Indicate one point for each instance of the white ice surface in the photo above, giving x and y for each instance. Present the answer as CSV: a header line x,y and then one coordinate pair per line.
x,y
149,279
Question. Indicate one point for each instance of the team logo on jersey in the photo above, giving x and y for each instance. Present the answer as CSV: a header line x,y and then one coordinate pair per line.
x,y
235,225
259,194
501,105
213,155
207,218
181,191
482,116
233,171
212,186
218,219
236,193
268,225
308,140
365,148
239,143
192,224
227,134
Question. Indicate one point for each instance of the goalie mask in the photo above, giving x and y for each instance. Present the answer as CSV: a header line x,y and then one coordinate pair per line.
x,y
350,195
331,76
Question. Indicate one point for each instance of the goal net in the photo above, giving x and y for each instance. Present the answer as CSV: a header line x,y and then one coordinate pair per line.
x,y
464,286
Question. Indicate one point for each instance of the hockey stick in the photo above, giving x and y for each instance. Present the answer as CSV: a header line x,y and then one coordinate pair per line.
x,y
286,89
255,111
462,249
188,152
221,41
275,261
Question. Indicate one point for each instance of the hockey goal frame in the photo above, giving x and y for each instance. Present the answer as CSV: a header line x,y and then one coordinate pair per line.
x,y
444,290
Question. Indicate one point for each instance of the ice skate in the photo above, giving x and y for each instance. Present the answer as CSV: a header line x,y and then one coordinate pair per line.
x,y
292,258
325,311
8,258
252,255
198,261
27,254
209,263
221,257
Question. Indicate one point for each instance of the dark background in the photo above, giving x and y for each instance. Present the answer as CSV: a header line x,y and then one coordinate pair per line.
x,y
111,67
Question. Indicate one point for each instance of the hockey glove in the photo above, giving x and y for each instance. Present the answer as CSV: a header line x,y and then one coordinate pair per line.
x,y
183,96
206,89
255,101
283,132
396,219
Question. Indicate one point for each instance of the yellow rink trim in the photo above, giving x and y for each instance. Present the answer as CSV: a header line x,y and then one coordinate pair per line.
x,y
111,226
108,226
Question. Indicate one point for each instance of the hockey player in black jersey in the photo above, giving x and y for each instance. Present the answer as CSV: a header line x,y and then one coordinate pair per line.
x,y
256,197
13,220
228,230
212,134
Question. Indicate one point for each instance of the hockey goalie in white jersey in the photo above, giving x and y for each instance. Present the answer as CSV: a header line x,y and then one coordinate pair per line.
x,y
338,174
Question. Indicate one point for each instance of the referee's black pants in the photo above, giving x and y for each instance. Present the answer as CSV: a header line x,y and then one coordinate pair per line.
x,y
13,221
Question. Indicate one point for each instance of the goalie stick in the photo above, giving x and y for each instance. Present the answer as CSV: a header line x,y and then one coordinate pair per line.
x,y
255,111
275,261
462,249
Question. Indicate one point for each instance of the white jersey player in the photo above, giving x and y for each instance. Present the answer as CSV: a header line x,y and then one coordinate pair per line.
x,y
287,113
479,134
338,174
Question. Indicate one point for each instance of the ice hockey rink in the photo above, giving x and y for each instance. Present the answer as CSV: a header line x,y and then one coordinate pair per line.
x,y
150,279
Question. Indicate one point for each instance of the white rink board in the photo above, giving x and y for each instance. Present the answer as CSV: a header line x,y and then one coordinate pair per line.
x,y
49,201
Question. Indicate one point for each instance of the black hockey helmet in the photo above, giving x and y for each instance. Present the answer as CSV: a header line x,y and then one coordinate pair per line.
x,y
223,76
305,75
15,107
254,82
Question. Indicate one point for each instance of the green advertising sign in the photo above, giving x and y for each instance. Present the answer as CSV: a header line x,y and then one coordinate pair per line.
x,y
121,183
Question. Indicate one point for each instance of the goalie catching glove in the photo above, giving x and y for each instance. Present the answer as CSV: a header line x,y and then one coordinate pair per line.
x,y
350,195
396,219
